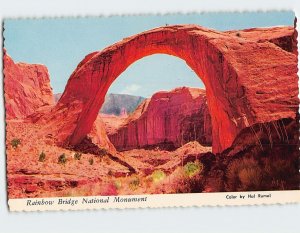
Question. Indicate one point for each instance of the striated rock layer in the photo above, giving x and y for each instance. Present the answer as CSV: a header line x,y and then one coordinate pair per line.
x,y
27,88
168,120
249,78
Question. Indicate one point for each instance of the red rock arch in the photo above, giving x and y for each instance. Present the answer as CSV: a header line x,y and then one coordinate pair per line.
x,y
239,70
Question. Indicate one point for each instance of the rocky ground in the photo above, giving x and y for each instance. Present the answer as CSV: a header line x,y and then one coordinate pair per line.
x,y
264,157
36,167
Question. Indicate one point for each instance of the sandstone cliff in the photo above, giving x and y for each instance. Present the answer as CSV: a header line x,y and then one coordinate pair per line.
x,y
27,88
28,94
168,120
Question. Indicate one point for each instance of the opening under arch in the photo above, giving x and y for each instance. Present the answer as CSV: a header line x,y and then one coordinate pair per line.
x,y
158,102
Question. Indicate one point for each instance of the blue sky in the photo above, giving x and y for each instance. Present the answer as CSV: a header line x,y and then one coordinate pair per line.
x,y
61,43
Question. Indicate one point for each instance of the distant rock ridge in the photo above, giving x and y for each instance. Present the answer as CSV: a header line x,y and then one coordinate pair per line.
x,y
116,104
27,88
169,119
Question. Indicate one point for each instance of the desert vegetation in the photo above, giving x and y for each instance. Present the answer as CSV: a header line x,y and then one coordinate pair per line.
x,y
42,157
15,143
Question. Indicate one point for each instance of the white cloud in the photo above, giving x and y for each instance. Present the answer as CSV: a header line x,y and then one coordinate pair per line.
x,y
131,89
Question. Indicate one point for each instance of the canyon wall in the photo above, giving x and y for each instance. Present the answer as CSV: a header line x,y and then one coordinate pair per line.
x,y
28,95
27,88
167,120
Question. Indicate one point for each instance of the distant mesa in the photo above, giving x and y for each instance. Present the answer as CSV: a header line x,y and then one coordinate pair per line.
x,y
116,104
120,104
123,113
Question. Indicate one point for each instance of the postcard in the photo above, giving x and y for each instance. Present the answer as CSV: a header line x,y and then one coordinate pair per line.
x,y
151,111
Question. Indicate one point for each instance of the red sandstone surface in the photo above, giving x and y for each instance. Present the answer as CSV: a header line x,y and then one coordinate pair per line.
x,y
251,92
240,73
283,37
99,136
29,177
27,88
112,123
168,119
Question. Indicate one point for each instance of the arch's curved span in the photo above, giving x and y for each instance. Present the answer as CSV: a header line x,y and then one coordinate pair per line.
x,y
239,70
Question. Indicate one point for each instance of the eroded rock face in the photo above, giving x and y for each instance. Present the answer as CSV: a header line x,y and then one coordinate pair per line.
x,y
99,137
27,88
264,156
168,119
248,79
283,37
28,94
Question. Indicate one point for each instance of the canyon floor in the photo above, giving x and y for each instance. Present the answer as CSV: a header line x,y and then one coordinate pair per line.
x,y
36,167
258,160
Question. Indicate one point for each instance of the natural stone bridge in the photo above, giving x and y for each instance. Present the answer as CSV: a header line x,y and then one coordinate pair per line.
x,y
250,77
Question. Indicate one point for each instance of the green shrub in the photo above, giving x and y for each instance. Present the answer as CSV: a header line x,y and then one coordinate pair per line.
x,y
15,143
110,173
77,156
42,157
281,174
91,161
192,168
134,183
158,176
62,159
250,178
118,184
263,173
191,180
244,174
182,183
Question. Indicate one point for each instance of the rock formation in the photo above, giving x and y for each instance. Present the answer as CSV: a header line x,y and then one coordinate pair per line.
x,y
99,137
27,88
167,120
57,97
249,78
116,104
283,37
28,94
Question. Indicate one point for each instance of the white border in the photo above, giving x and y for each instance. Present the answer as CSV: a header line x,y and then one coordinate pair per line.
x,y
155,201
275,218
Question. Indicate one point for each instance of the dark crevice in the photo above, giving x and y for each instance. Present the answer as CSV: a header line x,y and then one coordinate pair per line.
x,y
87,146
